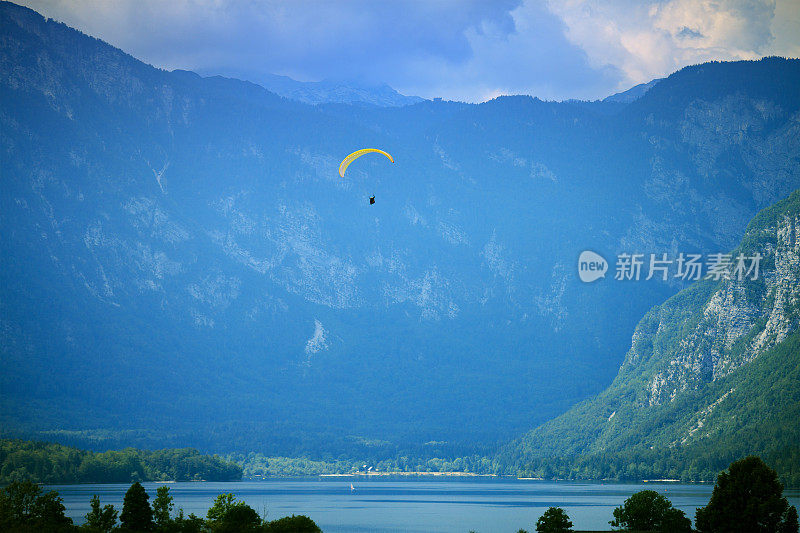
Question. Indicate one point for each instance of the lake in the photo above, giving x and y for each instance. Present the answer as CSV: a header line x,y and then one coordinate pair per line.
x,y
419,505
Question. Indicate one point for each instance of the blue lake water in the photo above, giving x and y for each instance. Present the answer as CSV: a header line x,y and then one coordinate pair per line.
x,y
489,505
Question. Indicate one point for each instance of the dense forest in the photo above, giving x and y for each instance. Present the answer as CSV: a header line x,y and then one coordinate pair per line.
x,y
50,463
691,465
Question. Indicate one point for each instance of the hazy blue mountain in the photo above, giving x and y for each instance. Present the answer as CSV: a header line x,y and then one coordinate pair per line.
x,y
712,374
329,91
634,93
182,265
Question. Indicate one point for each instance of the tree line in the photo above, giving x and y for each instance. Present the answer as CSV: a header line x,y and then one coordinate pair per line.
x,y
24,508
748,496
50,463
256,465
699,464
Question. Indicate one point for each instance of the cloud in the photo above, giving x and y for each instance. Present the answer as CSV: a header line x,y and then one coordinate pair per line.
x,y
534,58
649,39
786,29
309,38
459,49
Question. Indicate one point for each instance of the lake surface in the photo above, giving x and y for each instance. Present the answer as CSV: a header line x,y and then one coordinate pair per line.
x,y
417,505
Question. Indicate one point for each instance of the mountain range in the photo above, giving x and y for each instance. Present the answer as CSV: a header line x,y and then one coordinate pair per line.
x,y
182,265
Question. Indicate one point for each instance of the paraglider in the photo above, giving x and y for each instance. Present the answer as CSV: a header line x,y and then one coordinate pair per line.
x,y
358,153
355,155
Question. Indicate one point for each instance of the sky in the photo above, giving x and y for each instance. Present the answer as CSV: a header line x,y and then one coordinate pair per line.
x,y
468,50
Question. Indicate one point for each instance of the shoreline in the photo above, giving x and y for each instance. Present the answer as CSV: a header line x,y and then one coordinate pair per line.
x,y
434,474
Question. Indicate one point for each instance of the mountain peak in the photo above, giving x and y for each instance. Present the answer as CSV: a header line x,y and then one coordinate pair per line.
x,y
339,91
634,93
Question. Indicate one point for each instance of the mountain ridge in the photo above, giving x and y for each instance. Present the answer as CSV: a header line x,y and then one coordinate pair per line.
x,y
326,91
634,93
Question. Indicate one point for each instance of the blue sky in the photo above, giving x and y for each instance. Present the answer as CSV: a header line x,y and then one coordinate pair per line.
x,y
470,50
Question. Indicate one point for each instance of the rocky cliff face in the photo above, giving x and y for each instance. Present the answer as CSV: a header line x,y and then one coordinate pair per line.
x,y
709,368
741,319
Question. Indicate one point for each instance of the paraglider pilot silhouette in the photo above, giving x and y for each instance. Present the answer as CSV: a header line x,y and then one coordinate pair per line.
x,y
355,155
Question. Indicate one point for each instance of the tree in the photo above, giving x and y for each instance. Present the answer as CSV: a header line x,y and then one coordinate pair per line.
x,y
229,515
648,510
293,524
748,497
790,524
136,512
239,519
188,524
23,507
102,520
222,504
162,507
554,520
49,513
17,503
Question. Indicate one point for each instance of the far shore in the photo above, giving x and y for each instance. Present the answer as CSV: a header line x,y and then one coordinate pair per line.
x,y
378,474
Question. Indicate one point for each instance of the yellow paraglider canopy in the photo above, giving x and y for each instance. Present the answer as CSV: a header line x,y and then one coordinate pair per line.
x,y
355,155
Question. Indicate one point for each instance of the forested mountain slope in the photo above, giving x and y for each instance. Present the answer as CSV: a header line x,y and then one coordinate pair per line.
x,y
712,374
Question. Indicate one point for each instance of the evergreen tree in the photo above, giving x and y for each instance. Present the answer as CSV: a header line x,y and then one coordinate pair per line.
x,y
748,497
790,524
136,512
162,507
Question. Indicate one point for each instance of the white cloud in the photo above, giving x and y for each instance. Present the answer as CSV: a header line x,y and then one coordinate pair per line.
x,y
650,39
